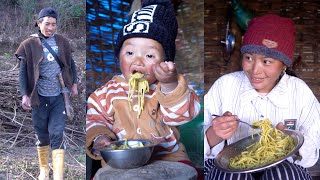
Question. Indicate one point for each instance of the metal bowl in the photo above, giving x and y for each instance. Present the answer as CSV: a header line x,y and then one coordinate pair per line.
x,y
128,158
234,149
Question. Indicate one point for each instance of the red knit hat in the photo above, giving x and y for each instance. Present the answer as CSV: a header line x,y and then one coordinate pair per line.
x,y
272,36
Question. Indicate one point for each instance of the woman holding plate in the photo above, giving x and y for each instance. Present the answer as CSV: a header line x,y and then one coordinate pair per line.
x,y
262,90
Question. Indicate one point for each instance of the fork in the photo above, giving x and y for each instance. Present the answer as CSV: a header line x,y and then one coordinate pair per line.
x,y
253,127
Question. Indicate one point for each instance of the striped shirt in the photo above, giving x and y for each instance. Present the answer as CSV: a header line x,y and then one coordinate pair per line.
x,y
291,98
108,108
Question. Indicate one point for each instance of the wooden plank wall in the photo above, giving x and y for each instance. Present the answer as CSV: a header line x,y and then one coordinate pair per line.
x,y
306,15
189,43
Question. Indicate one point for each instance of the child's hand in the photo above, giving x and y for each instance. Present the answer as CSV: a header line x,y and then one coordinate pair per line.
x,y
101,142
166,74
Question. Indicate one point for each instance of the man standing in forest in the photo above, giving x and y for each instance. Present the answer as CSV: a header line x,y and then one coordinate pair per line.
x,y
43,57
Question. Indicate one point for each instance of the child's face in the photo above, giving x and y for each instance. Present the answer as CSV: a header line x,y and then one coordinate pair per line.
x,y
262,72
139,55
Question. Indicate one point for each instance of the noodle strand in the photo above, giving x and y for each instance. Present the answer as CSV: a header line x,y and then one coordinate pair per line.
x,y
138,84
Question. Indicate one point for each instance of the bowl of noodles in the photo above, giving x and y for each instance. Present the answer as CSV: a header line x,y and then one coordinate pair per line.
x,y
128,154
259,151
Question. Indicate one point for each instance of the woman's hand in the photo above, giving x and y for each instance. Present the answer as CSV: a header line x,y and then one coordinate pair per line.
x,y
222,128
225,126
280,126
166,73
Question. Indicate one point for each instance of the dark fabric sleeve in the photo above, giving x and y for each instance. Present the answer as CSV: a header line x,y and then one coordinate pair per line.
x,y
74,72
23,78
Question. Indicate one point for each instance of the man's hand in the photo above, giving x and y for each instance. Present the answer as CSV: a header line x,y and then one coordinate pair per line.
x,y
74,90
166,73
26,102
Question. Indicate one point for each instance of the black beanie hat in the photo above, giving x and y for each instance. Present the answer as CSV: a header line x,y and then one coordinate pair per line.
x,y
50,12
155,20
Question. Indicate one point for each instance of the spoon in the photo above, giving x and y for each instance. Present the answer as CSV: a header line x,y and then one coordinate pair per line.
x,y
253,127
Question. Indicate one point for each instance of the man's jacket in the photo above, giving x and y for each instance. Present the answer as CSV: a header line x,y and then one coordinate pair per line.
x,y
31,50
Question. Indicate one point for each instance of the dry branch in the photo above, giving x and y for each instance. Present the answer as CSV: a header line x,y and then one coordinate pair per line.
x,y
16,124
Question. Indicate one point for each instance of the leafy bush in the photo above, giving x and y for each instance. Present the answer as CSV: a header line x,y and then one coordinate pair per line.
x,y
18,17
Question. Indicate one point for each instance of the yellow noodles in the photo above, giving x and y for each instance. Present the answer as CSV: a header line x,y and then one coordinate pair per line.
x,y
138,84
273,145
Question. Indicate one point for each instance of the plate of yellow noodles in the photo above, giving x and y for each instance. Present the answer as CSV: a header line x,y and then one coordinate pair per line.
x,y
263,150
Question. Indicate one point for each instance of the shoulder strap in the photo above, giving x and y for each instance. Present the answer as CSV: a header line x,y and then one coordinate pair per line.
x,y
45,43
